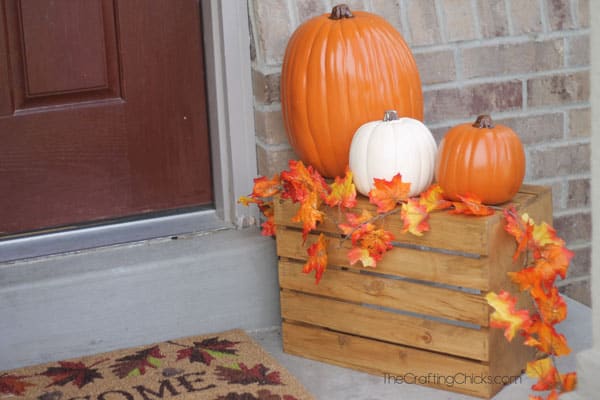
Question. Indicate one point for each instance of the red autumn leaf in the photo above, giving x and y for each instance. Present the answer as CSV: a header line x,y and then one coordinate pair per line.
x,y
264,187
372,242
505,316
377,242
414,216
553,261
75,372
527,278
242,375
268,227
13,384
300,181
343,192
551,305
552,396
357,254
268,210
568,381
471,205
207,350
317,258
354,221
136,364
546,373
519,228
309,214
544,337
433,199
387,194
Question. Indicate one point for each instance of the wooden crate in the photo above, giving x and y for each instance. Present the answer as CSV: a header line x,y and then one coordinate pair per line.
x,y
421,314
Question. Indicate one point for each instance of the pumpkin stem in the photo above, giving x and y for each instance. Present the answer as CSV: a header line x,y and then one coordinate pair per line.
x,y
483,121
340,11
390,115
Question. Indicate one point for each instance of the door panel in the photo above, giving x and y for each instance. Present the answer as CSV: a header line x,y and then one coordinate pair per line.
x,y
77,29
104,111
62,52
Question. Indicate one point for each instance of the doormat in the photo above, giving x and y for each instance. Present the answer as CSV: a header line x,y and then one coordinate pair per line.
x,y
224,366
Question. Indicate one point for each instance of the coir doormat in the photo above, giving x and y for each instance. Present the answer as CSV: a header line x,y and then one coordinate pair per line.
x,y
224,366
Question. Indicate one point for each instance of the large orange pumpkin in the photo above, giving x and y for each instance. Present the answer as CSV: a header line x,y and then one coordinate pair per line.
x,y
341,70
481,159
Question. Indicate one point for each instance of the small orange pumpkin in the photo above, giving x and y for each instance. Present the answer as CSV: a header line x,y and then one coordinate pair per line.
x,y
339,72
481,159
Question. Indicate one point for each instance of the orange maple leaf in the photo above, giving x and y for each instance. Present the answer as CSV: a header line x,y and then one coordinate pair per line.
x,y
264,187
546,338
268,227
357,254
553,261
268,210
552,396
433,199
470,204
387,194
372,244
518,227
414,216
300,181
343,192
539,279
568,381
317,258
309,213
354,221
505,316
527,278
546,373
552,306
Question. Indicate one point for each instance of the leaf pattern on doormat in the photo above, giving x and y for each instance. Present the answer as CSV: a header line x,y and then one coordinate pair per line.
x,y
260,395
75,372
207,350
136,364
13,384
225,366
243,375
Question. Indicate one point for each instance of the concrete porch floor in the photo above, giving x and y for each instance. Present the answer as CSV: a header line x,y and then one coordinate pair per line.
x,y
328,382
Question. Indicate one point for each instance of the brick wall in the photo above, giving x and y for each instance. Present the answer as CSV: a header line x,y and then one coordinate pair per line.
x,y
524,61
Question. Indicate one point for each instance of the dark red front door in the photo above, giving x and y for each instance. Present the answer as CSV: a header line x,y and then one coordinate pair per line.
x,y
102,110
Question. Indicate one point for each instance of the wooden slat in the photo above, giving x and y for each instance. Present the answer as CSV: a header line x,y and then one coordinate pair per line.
x,y
390,327
449,269
386,292
457,233
385,359
451,232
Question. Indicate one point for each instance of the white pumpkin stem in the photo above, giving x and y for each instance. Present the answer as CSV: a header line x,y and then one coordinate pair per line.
x,y
390,115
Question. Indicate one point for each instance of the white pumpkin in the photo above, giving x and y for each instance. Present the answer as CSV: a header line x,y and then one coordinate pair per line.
x,y
381,149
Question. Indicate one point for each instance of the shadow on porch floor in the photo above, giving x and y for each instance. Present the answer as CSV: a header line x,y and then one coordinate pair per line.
x,y
329,382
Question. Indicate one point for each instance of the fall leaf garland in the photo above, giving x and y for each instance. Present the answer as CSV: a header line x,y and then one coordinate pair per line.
x,y
370,241
550,259
304,185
